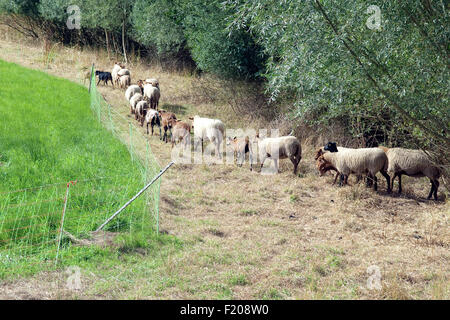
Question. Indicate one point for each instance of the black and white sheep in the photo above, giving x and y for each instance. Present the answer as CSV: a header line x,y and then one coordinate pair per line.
x,y
153,119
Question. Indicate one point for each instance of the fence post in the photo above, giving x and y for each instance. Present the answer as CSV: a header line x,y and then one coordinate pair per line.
x,y
110,119
131,141
62,218
90,78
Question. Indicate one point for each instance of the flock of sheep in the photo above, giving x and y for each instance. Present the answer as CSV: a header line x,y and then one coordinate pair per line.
x,y
144,96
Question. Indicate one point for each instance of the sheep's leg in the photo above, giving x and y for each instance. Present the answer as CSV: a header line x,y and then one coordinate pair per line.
x,y
375,185
275,161
219,154
436,186
294,162
263,158
388,180
335,177
433,191
392,180
399,183
369,180
341,180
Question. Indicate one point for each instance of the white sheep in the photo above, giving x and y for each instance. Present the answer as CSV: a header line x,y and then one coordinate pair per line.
x,y
133,89
141,111
280,148
124,81
114,72
368,161
211,129
152,95
154,82
134,100
123,72
413,163
326,167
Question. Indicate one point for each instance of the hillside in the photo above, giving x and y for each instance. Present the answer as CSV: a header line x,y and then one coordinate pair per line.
x,y
250,236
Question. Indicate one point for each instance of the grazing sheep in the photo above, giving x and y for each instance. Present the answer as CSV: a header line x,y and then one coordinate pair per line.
x,y
123,72
368,161
134,100
153,119
153,82
124,81
152,95
413,163
181,132
115,70
211,129
141,111
168,120
287,147
104,76
134,88
324,167
240,147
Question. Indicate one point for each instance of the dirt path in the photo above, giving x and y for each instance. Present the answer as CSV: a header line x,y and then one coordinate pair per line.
x,y
249,236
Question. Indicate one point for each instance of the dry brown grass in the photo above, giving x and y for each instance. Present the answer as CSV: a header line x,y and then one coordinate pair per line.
x,y
251,236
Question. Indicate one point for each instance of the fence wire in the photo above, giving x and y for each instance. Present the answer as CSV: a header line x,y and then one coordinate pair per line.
x,y
30,218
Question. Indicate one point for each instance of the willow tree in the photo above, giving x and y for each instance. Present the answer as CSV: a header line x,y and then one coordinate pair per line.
x,y
385,61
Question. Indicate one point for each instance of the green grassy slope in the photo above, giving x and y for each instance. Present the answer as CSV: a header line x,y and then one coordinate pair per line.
x,y
48,135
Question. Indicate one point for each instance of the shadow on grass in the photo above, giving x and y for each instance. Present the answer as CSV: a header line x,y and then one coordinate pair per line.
x,y
175,108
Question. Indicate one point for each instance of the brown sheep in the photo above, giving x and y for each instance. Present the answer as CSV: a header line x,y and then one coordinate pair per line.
x,y
240,147
168,120
181,132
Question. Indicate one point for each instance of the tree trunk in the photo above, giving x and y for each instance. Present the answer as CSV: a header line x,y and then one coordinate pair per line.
x,y
107,43
123,42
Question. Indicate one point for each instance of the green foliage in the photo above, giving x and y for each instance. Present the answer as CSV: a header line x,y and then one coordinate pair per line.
x,y
158,24
214,48
22,7
323,55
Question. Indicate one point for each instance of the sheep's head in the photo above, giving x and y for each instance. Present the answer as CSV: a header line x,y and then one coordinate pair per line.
x,y
323,165
318,154
331,146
